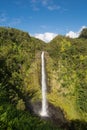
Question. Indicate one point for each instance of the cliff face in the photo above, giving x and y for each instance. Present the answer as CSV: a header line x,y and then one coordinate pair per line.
x,y
19,64
66,64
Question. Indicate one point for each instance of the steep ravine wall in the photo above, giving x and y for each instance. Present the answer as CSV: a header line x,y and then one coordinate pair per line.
x,y
33,77
57,94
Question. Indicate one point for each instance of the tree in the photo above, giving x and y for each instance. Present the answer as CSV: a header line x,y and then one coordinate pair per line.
x,y
83,33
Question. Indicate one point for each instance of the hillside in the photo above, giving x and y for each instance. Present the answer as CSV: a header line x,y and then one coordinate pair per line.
x,y
67,76
18,82
20,75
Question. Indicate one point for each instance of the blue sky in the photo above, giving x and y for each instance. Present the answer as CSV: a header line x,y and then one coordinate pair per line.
x,y
44,18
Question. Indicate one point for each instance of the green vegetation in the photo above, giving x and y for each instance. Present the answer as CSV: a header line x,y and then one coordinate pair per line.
x,y
19,80
83,33
20,86
67,76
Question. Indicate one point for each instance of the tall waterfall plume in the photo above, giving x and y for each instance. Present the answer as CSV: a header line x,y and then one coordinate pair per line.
x,y
44,111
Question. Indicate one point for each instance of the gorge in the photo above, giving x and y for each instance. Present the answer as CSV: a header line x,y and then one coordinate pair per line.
x,y
21,82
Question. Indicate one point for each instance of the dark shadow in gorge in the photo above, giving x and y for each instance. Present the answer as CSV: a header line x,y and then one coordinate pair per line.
x,y
78,125
57,118
56,115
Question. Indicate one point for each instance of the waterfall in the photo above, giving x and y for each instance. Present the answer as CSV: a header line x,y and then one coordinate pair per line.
x,y
44,87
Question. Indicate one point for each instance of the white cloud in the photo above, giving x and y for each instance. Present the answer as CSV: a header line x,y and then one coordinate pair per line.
x,y
45,2
72,34
53,7
82,28
33,1
34,5
49,4
45,36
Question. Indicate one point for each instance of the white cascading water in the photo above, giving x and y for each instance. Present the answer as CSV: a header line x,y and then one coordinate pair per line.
x,y
44,87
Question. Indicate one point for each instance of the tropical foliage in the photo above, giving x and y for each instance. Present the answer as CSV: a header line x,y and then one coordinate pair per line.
x,y
66,66
67,76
